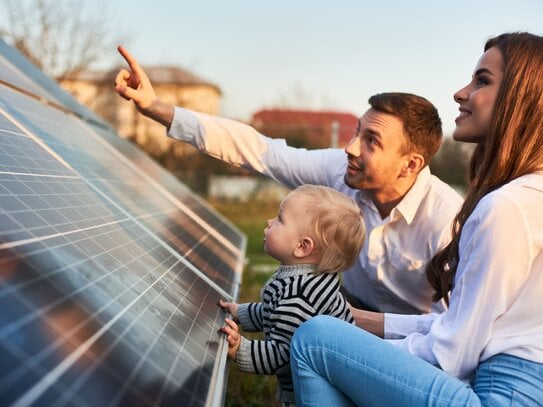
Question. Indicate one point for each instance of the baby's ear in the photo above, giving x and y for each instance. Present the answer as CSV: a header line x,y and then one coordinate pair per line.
x,y
305,247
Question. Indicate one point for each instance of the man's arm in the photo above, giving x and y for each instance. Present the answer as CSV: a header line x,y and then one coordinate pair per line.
x,y
392,326
228,140
373,322
134,85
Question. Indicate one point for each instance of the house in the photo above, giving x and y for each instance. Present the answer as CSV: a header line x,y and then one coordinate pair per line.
x,y
307,128
173,85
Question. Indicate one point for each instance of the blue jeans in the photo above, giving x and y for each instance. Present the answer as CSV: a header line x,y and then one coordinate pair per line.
x,y
337,364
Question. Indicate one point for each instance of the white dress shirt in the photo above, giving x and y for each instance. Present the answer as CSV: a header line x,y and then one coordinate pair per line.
x,y
389,274
497,298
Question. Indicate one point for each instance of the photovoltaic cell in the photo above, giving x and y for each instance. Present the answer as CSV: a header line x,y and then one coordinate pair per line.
x,y
110,269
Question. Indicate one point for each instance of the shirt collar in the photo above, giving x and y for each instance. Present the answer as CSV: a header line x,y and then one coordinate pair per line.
x,y
295,270
409,205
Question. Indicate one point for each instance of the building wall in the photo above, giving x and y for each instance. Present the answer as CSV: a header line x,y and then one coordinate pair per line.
x,y
98,93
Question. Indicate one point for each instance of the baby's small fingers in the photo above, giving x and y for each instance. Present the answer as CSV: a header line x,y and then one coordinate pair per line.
x,y
231,324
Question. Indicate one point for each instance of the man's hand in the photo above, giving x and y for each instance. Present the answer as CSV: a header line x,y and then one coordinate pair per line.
x,y
134,85
233,337
373,322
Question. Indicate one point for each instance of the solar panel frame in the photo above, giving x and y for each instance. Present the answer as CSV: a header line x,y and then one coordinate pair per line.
x,y
103,255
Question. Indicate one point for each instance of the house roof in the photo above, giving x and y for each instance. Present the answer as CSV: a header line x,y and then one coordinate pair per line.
x,y
157,74
174,75
311,119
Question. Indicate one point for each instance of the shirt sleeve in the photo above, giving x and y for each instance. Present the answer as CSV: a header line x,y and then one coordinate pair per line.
x,y
266,356
250,316
494,263
242,146
398,326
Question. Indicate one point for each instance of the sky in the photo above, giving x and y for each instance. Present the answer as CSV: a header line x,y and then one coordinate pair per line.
x,y
320,54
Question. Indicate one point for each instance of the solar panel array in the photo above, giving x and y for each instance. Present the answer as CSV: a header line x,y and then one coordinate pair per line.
x,y
110,268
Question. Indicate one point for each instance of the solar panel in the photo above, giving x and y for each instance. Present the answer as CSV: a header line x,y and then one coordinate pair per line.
x,y
110,268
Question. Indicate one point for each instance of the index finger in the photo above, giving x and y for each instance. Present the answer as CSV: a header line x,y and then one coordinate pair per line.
x,y
130,60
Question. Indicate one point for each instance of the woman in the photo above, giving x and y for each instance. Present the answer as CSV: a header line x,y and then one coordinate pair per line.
x,y
487,348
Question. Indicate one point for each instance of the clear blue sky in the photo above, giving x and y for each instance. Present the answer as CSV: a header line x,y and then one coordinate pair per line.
x,y
321,53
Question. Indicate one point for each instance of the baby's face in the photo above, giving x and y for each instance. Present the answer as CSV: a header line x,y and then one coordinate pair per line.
x,y
283,233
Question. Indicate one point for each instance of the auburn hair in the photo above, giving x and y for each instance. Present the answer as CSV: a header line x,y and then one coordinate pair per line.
x,y
513,146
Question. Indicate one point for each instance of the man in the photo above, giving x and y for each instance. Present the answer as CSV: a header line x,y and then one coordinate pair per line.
x,y
408,211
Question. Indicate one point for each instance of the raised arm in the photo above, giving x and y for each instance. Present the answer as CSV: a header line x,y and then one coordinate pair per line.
x,y
134,84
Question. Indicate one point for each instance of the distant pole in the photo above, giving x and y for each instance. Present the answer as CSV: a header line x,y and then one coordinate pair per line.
x,y
334,134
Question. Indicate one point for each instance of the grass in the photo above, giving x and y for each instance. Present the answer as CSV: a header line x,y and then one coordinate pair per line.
x,y
248,390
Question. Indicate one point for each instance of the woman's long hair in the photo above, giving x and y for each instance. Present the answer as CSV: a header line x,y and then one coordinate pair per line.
x,y
513,146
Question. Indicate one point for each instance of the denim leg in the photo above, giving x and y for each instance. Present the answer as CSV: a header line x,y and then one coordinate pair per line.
x,y
337,364
505,380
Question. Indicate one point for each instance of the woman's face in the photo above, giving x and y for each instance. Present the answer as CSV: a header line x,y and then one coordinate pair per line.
x,y
477,98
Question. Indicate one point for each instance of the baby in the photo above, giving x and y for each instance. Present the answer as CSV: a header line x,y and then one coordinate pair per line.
x,y
317,233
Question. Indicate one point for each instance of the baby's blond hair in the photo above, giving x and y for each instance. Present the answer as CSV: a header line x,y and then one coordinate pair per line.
x,y
336,224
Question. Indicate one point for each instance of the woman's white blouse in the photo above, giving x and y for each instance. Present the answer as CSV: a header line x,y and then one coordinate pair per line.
x,y
497,301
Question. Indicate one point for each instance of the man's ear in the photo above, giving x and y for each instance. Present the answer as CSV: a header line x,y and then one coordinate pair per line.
x,y
305,247
415,163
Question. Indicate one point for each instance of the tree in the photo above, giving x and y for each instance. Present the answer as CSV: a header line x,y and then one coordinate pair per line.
x,y
452,161
61,37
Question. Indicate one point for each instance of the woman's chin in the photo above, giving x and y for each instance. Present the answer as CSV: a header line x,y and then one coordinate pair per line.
x,y
466,137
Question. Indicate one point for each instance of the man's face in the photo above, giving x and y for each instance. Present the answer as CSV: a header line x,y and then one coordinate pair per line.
x,y
376,153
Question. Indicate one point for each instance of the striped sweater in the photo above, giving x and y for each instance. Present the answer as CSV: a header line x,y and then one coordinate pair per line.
x,y
291,296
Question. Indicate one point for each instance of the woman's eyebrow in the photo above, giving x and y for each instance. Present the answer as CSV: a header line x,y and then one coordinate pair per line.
x,y
483,70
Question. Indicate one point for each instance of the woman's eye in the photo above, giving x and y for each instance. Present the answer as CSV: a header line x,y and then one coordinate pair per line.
x,y
482,81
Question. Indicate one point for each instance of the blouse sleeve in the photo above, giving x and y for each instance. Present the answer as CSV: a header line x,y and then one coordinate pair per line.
x,y
398,326
493,266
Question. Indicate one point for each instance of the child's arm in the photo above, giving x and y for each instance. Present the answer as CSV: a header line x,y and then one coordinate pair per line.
x,y
267,356
231,307
248,315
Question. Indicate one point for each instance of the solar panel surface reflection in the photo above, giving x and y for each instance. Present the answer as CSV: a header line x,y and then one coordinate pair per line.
x,y
110,268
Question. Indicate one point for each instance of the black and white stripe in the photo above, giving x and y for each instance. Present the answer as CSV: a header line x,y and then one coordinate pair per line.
x,y
293,295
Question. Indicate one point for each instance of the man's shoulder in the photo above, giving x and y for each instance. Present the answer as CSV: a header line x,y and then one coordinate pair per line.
x,y
445,194
439,204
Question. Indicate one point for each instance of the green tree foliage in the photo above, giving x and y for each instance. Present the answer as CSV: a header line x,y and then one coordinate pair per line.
x,y
451,162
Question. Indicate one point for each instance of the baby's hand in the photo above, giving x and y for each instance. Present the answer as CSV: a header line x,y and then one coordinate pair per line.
x,y
234,338
231,307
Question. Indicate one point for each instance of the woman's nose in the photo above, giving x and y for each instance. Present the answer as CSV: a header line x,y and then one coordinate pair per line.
x,y
461,94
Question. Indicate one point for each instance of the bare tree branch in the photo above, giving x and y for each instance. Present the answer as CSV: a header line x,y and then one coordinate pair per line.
x,y
61,37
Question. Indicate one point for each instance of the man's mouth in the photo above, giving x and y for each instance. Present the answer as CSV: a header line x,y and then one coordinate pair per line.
x,y
353,167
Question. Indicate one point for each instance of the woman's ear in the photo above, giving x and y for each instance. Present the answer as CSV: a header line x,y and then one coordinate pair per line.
x,y
305,247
